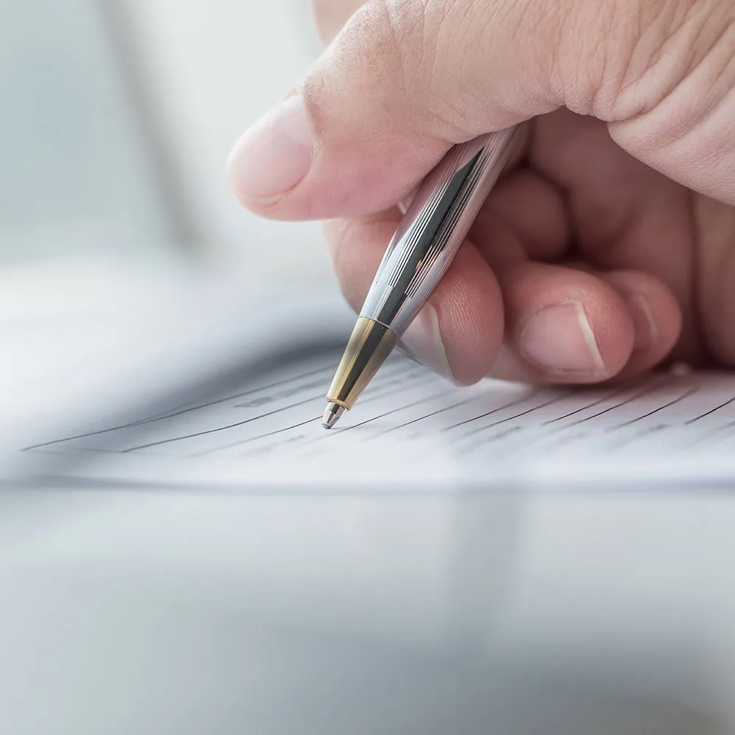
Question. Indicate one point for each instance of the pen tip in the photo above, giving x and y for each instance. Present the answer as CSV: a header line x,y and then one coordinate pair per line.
x,y
331,415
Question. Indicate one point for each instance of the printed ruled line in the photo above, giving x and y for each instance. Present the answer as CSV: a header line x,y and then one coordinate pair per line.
x,y
556,399
252,391
381,391
632,398
174,414
427,416
219,428
521,399
679,399
232,445
401,388
388,375
391,412
604,398
333,433
712,434
382,394
710,412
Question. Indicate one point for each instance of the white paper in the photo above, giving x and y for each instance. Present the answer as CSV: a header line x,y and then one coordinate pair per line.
x,y
81,356
414,429
96,340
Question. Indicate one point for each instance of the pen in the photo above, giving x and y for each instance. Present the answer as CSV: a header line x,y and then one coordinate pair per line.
x,y
424,245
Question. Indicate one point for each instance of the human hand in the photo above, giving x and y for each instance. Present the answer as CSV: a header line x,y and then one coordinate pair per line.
x,y
609,246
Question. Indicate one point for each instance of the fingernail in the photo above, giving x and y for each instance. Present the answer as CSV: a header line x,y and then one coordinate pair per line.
x,y
274,155
646,330
560,339
423,341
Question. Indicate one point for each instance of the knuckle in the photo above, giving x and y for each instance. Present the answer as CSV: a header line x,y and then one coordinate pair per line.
x,y
671,46
592,39
608,58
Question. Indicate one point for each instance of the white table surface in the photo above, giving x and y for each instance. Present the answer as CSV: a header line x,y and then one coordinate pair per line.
x,y
162,611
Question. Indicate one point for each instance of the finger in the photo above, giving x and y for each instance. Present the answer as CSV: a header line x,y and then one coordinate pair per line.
x,y
626,216
563,325
406,79
525,217
677,117
656,316
459,331
650,306
383,104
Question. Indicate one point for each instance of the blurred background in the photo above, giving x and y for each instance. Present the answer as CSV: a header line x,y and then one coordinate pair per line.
x,y
118,117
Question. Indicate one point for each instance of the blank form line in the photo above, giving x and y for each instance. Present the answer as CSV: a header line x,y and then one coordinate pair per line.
x,y
372,397
397,389
427,416
525,397
303,386
392,411
532,440
709,413
219,428
381,391
655,410
311,420
330,435
173,414
180,412
612,408
713,432
277,384
604,398
556,399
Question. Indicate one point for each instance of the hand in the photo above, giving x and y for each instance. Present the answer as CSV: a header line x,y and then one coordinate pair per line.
x,y
610,245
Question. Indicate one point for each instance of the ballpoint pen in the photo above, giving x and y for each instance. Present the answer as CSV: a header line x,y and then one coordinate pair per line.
x,y
424,245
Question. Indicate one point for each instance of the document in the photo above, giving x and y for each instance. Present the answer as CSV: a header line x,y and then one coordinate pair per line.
x,y
109,388
413,429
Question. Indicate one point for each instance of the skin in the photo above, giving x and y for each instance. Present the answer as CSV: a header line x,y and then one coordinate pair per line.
x,y
619,202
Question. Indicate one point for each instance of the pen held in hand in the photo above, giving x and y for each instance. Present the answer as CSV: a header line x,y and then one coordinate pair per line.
x,y
421,251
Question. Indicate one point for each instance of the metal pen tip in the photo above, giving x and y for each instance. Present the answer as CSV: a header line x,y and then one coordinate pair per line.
x,y
331,414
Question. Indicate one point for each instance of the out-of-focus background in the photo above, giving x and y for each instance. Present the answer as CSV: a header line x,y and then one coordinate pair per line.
x,y
117,120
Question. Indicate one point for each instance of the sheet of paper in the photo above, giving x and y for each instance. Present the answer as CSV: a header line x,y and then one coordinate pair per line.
x,y
89,339
413,428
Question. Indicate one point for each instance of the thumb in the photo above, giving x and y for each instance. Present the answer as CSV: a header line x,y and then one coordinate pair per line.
x,y
407,79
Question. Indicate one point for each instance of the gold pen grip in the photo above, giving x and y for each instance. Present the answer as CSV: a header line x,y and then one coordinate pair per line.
x,y
368,348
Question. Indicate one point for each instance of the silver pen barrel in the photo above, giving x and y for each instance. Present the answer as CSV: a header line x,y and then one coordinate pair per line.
x,y
435,225
424,245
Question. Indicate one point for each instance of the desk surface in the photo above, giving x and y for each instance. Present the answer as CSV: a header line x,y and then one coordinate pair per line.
x,y
188,612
